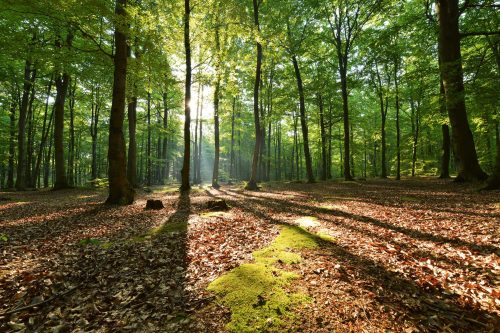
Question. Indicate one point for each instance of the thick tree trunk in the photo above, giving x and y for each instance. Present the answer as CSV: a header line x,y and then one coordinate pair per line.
x,y
303,121
120,191
252,184
452,75
187,99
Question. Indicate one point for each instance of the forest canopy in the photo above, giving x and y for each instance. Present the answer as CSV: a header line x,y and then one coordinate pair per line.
x,y
133,92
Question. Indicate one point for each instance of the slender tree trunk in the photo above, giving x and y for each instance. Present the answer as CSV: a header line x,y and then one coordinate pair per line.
x,y
303,121
29,77
345,108
164,152
324,157
232,155
415,124
252,184
48,158
71,157
12,143
45,134
445,158
148,148
215,175
120,191
200,141
94,126
187,99
30,134
398,127
452,75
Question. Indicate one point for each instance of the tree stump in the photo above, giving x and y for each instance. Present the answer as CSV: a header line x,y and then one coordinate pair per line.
x,y
217,205
154,204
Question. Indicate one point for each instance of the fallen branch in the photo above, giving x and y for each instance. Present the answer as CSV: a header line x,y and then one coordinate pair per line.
x,y
48,300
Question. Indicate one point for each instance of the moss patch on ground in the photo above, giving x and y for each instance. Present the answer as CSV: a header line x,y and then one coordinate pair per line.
x,y
257,293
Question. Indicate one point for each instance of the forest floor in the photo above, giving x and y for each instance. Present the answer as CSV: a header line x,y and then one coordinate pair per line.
x,y
419,255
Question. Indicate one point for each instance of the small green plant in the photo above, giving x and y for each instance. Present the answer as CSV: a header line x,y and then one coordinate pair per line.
x,y
89,241
4,238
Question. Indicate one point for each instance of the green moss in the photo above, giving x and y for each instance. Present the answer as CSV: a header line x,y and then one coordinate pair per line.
x,y
168,228
256,293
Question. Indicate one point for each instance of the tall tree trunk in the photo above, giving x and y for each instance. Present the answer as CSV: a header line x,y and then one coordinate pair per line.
x,y
164,152
94,126
71,157
45,133
48,158
415,125
62,82
232,155
187,99
324,157
200,141
445,158
30,134
452,75
398,127
120,191
29,77
12,143
345,109
252,184
197,121
215,174
303,121
148,148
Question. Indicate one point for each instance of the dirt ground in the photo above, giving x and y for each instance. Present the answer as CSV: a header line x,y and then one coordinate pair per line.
x,y
418,255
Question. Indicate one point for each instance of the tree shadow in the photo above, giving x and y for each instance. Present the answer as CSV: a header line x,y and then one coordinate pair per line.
x,y
391,289
132,284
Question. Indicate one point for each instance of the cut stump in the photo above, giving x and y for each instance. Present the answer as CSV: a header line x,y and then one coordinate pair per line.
x,y
154,204
217,205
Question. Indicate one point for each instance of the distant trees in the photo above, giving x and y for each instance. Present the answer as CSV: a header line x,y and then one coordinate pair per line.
x,y
294,90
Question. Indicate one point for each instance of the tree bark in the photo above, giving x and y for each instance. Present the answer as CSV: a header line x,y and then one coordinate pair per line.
x,y
398,127
71,157
452,75
445,159
120,191
12,143
164,152
215,174
29,77
303,121
252,184
94,126
62,81
324,156
187,99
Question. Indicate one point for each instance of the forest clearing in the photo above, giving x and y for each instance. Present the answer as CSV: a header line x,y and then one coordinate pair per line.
x,y
419,255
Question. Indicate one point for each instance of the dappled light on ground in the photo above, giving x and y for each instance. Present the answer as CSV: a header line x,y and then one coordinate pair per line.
x,y
413,256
